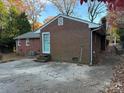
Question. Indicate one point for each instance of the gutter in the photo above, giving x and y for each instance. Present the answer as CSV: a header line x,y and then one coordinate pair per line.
x,y
91,45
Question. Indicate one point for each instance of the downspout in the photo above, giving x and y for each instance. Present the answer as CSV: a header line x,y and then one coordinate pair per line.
x,y
81,50
91,45
91,48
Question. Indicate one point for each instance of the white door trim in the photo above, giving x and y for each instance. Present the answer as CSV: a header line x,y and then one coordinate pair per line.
x,y
43,51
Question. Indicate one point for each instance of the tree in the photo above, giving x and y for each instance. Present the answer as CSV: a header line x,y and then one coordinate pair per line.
x,y
115,16
23,24
16,24
36,26
10,30
3,14
34,9
116,20
65,7
95,9
16,3
114,36
48,19
121,34
112,4
11,27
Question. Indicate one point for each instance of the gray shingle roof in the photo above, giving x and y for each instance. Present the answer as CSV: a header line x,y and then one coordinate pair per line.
x,y
36,34
28,35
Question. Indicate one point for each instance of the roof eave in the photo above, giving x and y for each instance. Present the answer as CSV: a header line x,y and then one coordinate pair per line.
x,y
69,17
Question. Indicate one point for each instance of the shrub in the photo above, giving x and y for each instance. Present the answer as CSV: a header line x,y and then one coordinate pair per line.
x,y
44,58
75,59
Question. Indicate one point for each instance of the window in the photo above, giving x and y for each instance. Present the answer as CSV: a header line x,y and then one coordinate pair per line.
x,y
27,42
60,21
46,42
18,42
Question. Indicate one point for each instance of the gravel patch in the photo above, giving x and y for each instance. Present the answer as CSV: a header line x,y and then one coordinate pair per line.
x,y
27,76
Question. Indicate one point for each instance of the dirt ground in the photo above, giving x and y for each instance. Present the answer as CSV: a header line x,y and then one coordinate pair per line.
x,y
11,56
27,76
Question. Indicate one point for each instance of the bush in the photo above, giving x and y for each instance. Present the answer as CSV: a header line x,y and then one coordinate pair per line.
x,y
44,58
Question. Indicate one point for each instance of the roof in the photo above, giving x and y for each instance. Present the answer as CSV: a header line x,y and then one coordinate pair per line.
x,y
28,35
99,31
48,19
90,24
36,34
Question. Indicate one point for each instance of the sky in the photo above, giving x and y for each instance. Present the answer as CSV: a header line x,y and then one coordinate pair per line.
x,y
80,12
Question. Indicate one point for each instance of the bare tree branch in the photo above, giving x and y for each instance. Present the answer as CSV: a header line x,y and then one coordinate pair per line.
x,y
94,9
65,7
34,9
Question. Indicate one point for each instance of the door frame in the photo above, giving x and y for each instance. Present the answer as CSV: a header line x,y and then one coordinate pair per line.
x,y
43,51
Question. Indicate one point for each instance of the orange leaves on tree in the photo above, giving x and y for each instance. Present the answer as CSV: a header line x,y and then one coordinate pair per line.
x,y
36,25
116,15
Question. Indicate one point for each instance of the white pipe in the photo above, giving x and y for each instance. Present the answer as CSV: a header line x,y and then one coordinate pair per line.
x,y
81,50
91,48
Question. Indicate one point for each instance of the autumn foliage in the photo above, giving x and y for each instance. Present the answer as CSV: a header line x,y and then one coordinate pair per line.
x,y
115,11
112,4
36,26
19,4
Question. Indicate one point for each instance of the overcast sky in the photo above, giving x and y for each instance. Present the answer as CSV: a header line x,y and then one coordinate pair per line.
x,y
80,11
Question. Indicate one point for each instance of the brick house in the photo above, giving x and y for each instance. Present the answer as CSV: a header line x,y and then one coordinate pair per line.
x,y
65,39
28,43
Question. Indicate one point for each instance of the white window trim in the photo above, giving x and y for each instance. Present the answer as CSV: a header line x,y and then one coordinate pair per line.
x,y
43,51
60,21
18,42
27,42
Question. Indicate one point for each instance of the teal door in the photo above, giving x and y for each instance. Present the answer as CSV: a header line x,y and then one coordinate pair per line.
x,y
46,42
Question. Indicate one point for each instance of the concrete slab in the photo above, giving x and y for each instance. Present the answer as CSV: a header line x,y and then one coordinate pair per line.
x,y
27,76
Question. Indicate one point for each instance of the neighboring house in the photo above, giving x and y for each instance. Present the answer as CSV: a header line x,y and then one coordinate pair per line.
x,y
67,38
28,43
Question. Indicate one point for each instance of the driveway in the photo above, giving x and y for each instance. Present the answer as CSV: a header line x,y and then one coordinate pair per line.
x,y
27,76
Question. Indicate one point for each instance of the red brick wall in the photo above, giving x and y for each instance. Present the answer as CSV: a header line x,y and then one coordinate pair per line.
x,y
34,46
97,47
96,43
66,40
